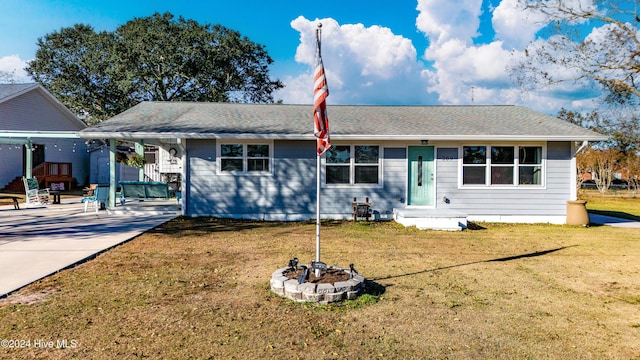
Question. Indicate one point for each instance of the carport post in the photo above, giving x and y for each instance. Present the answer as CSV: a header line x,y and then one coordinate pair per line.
x,y
112,173
28,171
139,146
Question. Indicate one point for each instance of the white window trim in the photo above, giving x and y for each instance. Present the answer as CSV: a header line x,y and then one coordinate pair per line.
x,y
352,167
516,174
244,143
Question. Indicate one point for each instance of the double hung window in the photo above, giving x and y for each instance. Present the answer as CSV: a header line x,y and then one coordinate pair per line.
x,y
485,165
530,165
353,165
245,158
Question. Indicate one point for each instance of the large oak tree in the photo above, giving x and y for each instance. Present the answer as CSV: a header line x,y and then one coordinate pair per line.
x,y
156,58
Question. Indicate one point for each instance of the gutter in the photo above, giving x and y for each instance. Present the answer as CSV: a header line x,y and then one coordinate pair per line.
x,y
255,136
39,134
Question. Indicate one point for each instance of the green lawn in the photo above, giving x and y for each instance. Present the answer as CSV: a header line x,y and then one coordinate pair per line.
x,y
619,204
198,288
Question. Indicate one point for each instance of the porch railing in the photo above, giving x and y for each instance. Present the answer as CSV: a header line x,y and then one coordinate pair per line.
x,y
52,174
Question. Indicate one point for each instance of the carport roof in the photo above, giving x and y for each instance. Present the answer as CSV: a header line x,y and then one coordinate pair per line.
x,y
194,120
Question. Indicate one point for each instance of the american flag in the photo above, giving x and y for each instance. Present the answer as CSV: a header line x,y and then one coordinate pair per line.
x,y
320,93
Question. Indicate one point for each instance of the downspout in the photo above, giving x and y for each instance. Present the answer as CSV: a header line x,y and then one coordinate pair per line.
x,y
585,143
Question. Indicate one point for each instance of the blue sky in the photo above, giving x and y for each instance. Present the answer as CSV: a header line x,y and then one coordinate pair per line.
x,y
265,22
417,52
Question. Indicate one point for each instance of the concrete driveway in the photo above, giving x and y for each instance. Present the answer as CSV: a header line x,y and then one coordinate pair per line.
x,y
38,242
596,219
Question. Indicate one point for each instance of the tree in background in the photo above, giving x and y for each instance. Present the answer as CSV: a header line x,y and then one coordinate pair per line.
x,y
157,58
630,165
618,155
610,55
621,125
602,164
7,77
583,168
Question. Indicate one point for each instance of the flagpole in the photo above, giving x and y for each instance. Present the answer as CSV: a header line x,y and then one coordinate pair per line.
x,y
317,272
321,130
318,209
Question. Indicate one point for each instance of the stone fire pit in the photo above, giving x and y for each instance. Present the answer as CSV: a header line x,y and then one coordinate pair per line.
x,y
334,284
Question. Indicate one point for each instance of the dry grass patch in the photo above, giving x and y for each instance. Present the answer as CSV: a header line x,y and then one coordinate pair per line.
x,y
199,288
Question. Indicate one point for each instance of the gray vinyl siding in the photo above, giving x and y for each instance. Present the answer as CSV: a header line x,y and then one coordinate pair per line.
x,y
336,202
289,192
395,181
34,112
202,190
517,201
11,159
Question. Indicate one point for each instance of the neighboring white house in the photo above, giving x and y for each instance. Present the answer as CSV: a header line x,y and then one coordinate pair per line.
x,y
39,136
491,163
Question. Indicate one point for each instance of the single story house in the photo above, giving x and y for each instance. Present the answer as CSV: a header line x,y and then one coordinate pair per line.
x,y
39,137
484,163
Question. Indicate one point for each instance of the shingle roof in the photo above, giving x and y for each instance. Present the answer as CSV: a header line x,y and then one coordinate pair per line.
x,y
10,90
232,120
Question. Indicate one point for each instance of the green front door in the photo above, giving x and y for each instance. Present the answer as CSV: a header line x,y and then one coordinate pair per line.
x,y
421,176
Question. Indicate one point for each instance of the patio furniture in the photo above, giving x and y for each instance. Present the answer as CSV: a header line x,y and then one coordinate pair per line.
x,y
361,210
88,191
16,205
144,190
55,195
99,197
35,195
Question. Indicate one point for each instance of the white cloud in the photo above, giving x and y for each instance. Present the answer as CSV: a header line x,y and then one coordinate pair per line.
x,y
372,65
363,65
14,66
444,20
465,73
515,25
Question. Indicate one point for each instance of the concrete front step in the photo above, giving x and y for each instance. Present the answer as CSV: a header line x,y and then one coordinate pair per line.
x,y
432,219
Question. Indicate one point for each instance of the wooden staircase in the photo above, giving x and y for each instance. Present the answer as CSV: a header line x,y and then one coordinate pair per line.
x,y
15,186
47,173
